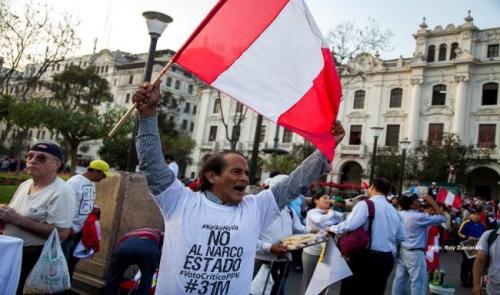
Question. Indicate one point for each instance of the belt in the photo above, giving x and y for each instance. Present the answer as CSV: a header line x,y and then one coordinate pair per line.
x,y
415,249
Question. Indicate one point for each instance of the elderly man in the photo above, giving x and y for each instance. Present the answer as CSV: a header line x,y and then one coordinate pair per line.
x,y
39,205
211,235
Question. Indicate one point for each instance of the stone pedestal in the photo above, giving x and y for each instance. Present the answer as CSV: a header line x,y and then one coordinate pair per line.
x,y
125,205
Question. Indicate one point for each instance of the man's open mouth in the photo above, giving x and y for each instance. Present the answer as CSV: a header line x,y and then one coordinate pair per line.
x,y
240,188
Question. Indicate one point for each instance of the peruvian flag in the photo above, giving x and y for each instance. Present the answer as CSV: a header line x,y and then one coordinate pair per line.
x,y
271,56
433,247
448,198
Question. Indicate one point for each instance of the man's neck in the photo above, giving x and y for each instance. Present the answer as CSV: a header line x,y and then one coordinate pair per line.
x,y
41,182
214,198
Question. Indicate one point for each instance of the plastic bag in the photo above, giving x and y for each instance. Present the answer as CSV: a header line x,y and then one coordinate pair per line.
x,y
50,273
259,282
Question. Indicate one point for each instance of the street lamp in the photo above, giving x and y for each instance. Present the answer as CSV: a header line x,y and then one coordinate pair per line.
x,y
404,144
376,133
156,22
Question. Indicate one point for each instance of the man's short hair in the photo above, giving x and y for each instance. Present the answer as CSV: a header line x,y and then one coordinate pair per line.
x,y
406,200
169,157
216,163
275,172
382,185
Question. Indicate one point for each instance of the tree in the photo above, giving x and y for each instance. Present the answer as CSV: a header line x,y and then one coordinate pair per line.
x,y
239,116
347,41
115,150
287,163
29,44
436,158
177,144
72,110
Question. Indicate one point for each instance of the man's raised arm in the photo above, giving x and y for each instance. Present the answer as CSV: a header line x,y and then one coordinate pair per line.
x,y
148,143
309,170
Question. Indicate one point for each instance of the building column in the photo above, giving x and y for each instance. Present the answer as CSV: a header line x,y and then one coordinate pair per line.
x,y
199,128
460,108
414,113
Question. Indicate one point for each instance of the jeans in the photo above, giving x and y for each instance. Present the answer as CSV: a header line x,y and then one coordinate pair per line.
x,y
133,251
466,270
68,247
410,268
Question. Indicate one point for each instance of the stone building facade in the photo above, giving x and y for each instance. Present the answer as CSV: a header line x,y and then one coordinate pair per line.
x,y
450,85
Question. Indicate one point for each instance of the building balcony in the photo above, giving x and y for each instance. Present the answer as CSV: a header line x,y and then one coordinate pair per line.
x,y
210,145
482,151
354,150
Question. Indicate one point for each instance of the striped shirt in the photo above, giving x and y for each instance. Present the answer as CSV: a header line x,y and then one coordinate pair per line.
x,y
144,233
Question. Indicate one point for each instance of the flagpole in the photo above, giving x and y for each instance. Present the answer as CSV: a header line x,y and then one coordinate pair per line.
x,y
129,112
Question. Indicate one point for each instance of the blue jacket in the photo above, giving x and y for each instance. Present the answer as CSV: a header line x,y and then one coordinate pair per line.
x,y
470,228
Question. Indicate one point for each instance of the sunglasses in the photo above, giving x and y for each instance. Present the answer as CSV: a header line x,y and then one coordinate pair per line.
x,y
40,158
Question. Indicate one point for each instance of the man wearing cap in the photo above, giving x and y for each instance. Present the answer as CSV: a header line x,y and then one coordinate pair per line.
x,y
39,205
470,229
84,187
410,264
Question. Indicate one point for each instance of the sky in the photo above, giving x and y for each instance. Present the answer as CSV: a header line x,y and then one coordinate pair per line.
x,y
118,24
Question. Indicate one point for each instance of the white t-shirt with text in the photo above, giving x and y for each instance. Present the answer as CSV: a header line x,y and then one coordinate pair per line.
x,y
85,195
210,248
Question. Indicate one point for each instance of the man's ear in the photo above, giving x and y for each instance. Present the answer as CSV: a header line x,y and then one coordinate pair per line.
x,y
210,176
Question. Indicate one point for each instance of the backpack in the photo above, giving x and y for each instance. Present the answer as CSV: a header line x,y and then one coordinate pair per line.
x,y
358,239
492,237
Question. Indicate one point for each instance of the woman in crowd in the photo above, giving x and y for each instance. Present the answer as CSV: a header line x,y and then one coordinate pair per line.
x,y
319,217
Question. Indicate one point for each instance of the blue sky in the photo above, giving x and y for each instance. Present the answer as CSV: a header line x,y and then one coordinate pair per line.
x,y
124,28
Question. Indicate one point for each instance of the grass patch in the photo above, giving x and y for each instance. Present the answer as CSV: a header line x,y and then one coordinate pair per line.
x,y
6,193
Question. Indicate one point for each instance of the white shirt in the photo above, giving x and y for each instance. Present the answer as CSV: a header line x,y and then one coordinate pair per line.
x,y
317,220
387,227
282,227
210,248
493,253
10,268
55,204
85,195
174,167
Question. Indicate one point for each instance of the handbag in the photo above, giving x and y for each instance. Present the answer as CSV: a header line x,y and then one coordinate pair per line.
x,y
359,239
50,274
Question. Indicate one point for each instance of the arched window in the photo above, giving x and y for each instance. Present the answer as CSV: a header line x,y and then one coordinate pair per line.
x,y
442,52
439,95
359,99
490,94
431,53
396,97
453,54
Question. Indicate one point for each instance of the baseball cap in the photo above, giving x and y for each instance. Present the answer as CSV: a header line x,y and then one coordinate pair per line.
x,y
339,199
81,252
101,166
49,148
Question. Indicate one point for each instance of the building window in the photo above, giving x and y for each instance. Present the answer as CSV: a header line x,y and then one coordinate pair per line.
x,y
431,54
177,84
453,54
30,134
490,94
442,52
435,134
262,135
359,99
191,128
190,89
236,132
492,50
212,135
217,106
194,110
392,135
239,107
58,66
287,136
187,107
107,68
486,138
396,97
127,98
439,95
184,124
355,135
169,81
130,79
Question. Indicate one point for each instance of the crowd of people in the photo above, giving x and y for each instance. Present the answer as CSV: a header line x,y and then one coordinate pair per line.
x,y
217,236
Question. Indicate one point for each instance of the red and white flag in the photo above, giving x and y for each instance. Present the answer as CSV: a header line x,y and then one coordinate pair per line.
x,y
270,56
448,198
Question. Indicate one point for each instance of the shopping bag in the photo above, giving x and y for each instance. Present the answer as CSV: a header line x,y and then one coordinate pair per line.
x,y
259,282
50,273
